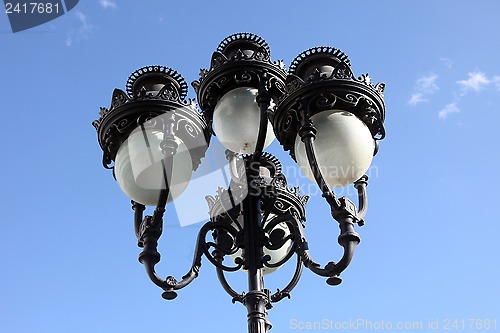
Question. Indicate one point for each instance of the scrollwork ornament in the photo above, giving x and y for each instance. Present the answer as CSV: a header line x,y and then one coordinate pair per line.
x,y
276,85
326,101
148,120
291,121
243,77
292,84
169,92
261,54
218,59
279,205
352,99
111,146
380,87
187,127
123,125
342,71
118,99
279,182
221,82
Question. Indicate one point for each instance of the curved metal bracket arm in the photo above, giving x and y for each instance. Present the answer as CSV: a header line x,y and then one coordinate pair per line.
x,y
280,294
201,248
360,185
138,213
348,239
148,232
223,281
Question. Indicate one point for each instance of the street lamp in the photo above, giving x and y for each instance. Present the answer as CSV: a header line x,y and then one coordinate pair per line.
x,y
329,120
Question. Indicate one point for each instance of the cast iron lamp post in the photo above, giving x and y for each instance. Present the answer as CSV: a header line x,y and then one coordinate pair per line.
x,y
329,120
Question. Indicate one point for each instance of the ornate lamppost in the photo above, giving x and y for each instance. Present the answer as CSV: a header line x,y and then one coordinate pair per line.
x,y
329,120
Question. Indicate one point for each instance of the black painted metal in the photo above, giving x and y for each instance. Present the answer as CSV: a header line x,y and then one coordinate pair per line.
x,y
321,79
244,218
239,61
257,299
154,93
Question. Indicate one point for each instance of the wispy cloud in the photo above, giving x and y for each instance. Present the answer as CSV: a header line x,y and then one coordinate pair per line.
x,y
108,4
83,20
448,109
83,31
69,40
496,81
424,86
477,81
447,62
427,83
417,98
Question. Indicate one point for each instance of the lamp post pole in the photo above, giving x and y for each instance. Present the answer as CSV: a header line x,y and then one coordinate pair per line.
x,y
329,120
257,299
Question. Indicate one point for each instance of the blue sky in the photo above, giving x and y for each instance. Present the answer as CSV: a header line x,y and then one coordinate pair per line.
x,y
429,249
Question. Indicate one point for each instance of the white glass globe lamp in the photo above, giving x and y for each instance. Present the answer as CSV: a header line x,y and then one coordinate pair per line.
x,y
139,168
343,145
236,121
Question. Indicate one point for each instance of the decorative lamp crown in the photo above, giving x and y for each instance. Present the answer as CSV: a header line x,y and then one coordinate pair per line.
x,y
155,79
323,58
242,44
151,93
239,61
321,79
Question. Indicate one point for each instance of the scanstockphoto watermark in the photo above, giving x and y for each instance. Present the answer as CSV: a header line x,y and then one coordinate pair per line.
x,y
357,324
446,324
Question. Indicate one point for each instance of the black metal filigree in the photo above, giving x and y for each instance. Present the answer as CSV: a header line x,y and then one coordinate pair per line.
x,y
152,93
241,60
322,79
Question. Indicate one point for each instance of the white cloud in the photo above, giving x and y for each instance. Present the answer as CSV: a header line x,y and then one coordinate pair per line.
x,y
496,80
425,85
69,40
476,81
447,62
448,109
83,20
108,4
417,98
84,30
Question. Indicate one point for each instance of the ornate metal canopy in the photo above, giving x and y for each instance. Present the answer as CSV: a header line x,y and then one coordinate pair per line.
x,y
321,79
